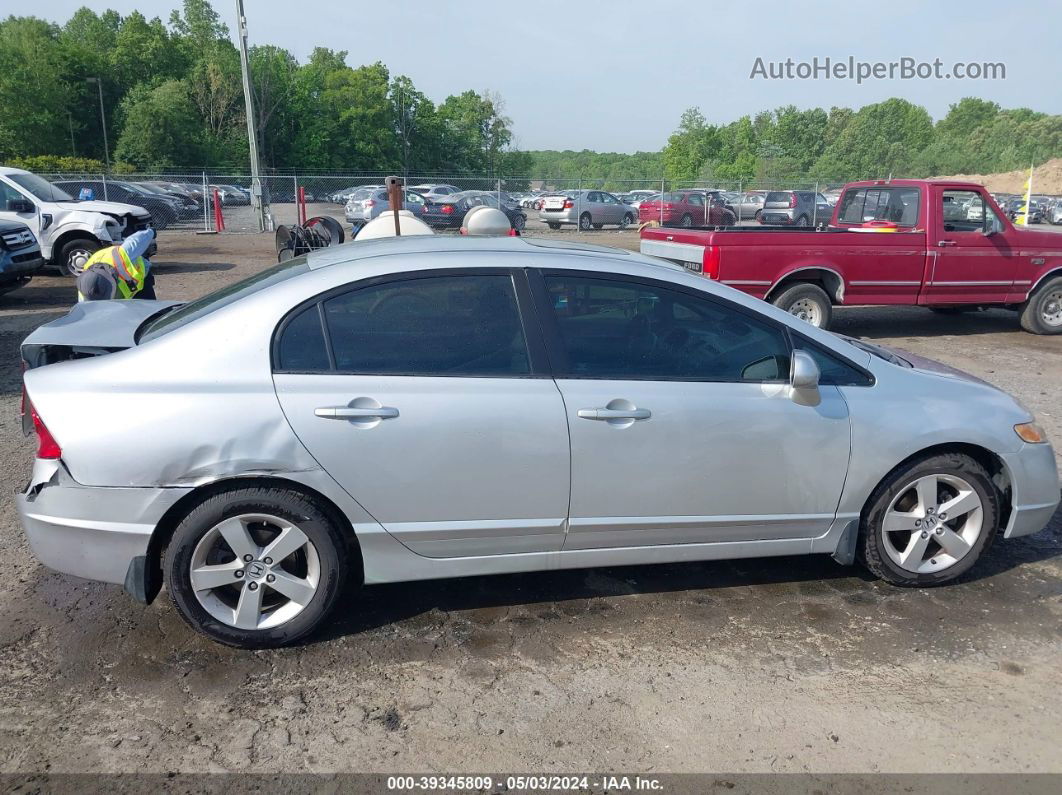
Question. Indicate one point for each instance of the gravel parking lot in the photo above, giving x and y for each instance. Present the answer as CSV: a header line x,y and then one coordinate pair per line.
x,y
782,665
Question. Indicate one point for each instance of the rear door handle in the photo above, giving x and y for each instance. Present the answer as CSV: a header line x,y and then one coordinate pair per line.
x,y
349,413
614,414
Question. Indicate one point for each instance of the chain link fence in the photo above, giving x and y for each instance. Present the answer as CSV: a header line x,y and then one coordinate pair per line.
x,y
199,201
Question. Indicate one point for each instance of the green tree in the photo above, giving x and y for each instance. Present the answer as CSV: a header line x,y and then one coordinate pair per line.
x,y
34,91
160,131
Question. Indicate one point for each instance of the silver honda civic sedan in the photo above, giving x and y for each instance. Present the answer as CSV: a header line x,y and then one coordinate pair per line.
x,y
427,407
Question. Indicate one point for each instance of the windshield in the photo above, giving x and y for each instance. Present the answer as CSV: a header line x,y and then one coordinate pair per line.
x,y
40,188
193,310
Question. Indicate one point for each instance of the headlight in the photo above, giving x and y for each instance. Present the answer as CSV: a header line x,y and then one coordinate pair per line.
x,y
1031,432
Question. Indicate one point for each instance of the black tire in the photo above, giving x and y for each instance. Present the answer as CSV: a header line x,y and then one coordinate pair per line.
x,y
1043,303
729,218
285,504
552,224
788,299
519,222
686,221
628,219
802,221
756,217
74,252
599,226
585,221
871,546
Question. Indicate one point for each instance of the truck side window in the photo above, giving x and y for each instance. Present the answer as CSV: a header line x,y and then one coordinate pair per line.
x,y
967,211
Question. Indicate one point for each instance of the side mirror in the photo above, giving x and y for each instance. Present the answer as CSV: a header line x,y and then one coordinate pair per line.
x,y
20,206
804,379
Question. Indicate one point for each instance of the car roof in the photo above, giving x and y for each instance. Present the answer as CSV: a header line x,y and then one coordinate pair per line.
x,y
8,170
355,250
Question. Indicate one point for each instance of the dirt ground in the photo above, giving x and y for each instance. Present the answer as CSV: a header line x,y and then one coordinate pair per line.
x,y
790,664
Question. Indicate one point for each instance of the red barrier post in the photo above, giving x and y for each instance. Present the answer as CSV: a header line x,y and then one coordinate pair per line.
x,y
302,205
219,219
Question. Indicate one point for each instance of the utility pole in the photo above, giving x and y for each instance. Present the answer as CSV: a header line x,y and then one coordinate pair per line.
x,y
103,120
252,142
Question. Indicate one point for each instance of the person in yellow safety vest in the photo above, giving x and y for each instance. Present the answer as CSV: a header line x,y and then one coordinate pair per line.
x,y
119,271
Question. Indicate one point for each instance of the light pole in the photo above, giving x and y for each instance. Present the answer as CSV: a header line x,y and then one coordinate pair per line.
x,y
252,142
103,120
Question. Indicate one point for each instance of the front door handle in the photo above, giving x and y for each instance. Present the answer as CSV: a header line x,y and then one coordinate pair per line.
x,y
614,414
946,243
352,413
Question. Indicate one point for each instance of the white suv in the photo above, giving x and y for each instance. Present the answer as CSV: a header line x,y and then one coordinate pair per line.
x,y
69,230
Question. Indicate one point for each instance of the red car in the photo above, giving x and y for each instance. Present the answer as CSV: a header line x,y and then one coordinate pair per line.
x,y
940,244
687,208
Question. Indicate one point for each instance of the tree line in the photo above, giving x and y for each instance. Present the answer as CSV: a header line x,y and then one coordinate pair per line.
x,y
173,98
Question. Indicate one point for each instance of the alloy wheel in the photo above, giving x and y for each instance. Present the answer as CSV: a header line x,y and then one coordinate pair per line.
x,y
932,523
254,571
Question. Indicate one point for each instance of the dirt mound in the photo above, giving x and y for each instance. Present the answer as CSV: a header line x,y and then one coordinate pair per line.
x,y
1047,178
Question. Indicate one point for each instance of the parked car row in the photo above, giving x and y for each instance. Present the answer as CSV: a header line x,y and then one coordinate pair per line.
x,y
437,205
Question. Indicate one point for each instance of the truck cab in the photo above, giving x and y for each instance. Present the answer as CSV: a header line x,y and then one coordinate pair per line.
x,y
69,231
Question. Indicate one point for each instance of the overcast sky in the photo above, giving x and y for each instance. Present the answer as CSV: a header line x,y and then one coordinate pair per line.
x,y
615,76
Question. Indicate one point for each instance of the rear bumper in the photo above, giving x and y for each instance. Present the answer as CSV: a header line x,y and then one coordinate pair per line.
x,y
1035,490
89,532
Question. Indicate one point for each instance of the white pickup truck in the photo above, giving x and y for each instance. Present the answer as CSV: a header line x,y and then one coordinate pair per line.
x,y
69,231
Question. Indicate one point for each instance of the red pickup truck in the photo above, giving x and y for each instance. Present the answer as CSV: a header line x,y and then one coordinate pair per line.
x,y
939,244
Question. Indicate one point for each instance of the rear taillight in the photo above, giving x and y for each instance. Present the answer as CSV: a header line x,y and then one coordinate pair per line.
x,y
568,204
669,206
22,402
792,200
370,202
712,255
446,209
47,447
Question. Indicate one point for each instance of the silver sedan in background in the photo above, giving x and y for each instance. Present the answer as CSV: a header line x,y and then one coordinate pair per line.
x,y
429,407
590,209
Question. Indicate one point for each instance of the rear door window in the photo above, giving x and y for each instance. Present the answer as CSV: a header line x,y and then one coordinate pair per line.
x,y
432,326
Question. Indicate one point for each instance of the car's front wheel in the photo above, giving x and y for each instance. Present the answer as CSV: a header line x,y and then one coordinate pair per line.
x,y
75,253
256,567
929,521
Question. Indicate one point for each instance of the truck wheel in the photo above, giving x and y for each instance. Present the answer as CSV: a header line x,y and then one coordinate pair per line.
x,y
806,301
75,253
1042,313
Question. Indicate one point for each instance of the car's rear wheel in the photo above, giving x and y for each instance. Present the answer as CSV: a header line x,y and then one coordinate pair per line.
x,y
628,219
75,253
519,222
256,567
585,221
1042,313
686,221
929,521
802,221
808,302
